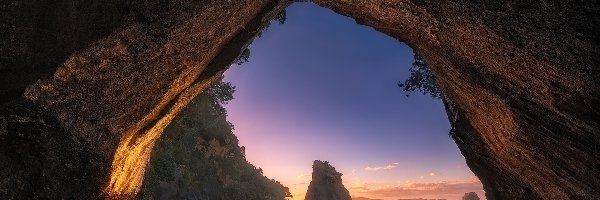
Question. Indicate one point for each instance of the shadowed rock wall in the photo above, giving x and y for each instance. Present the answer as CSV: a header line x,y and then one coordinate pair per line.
x,y
524,76
103,78
87,86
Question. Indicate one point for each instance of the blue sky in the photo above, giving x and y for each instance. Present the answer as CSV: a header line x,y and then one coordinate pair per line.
x,y
323,87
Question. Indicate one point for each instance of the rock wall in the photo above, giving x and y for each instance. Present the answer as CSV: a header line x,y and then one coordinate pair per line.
x,y
103,78
524,77
326,183
87,86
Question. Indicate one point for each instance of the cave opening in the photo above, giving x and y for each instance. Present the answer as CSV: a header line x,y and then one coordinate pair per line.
x,y
322,87
88,88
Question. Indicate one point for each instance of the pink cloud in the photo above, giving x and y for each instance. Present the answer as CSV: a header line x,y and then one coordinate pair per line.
x,y
387,167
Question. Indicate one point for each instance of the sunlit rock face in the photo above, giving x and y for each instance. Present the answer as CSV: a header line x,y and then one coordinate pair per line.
x,y
100,80
326,183
524,76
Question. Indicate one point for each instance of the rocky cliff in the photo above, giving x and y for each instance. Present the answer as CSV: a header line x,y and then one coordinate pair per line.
x,y
198,157
524,79
326,183
101,80
87,87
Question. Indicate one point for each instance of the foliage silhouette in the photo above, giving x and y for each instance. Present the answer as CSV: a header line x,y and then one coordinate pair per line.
x,y
244,57
421,79
198,156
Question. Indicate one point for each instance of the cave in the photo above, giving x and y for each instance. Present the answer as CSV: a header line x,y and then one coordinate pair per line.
x,y
87,87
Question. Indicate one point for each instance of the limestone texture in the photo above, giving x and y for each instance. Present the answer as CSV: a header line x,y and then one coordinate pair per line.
x,y
86,87
102,79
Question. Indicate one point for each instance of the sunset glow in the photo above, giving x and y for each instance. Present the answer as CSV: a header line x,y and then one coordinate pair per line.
x,y
321,87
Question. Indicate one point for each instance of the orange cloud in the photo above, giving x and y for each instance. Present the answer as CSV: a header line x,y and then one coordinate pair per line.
x,y
306,176
444,189
387,167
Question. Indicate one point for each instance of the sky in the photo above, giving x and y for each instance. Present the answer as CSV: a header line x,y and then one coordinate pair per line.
x,y
321,87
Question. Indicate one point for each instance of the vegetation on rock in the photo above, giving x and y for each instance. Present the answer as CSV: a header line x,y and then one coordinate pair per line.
x,y
244,57
421,79
198,156
326,183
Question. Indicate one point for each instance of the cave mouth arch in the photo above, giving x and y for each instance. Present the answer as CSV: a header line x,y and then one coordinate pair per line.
x,y
523,76
282,91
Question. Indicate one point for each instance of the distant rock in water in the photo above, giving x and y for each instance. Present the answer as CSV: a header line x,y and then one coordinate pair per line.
x,y
470,196
326,183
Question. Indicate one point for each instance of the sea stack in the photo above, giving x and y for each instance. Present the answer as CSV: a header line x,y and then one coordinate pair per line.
x,y
326,183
